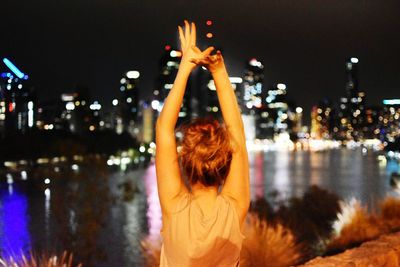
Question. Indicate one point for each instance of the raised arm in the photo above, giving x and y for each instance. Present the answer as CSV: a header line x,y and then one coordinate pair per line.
x,y
169,180
237,184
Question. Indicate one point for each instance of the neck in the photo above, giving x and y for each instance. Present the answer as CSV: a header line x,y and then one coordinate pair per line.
x,y
200,190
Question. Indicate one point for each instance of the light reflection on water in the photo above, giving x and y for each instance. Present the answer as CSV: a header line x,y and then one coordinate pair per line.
x,y
14,235
154,209
348,173
64,213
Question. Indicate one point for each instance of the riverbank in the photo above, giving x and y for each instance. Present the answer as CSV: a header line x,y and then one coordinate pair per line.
x,y
385,251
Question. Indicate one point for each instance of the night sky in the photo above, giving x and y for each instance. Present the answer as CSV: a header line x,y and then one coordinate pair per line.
x,y
302,43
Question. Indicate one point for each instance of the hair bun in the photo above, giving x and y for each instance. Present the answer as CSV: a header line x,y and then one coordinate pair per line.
x,y
205,153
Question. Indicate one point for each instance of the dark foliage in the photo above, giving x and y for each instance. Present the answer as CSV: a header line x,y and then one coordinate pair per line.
x,y
36,144
309,218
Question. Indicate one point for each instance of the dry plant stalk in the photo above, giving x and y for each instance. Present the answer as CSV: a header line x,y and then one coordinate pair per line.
x,y
390,214
267,245
40,261
354,226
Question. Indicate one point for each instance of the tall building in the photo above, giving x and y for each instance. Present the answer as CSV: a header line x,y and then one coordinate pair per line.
x,y
3,89
112,118
129,102
278,104
50,116
253,86
316,130
323,119
17,101
390,120
252,100
352,106
373,120
147,124
79,113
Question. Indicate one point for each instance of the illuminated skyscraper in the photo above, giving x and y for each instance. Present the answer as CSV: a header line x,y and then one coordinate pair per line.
x,y
2,107
79,113
17,102
129,102
390,120
277,102
251,100
352,106
253,86
51,115
374,120
323,116
316,125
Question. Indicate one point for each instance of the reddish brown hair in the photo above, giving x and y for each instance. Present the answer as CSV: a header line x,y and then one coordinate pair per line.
x,y
206,152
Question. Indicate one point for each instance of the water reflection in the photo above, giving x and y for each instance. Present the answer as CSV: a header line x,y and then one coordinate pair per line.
x,y
14,235
256,175
75,202
47,213
154,210
281,176
101,216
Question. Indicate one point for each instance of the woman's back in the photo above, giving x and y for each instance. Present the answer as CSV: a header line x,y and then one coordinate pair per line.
x,y
212,156
191,238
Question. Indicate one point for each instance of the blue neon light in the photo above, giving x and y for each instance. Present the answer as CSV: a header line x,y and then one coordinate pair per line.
x,y
7,75
14,233
13,68
391,102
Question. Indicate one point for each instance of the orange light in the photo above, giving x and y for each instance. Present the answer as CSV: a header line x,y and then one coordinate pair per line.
x,y
209,35
10,107
209,22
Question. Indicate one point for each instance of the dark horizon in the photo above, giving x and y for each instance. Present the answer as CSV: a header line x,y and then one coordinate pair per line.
x,y
61,45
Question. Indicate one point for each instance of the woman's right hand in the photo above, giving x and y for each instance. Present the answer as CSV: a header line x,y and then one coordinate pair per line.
x,y
191,54
213,63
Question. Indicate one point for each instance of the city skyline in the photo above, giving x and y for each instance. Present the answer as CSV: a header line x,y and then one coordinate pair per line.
x,y
304,46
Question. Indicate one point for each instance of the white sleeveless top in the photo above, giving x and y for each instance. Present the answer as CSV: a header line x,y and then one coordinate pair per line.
x,y
192,239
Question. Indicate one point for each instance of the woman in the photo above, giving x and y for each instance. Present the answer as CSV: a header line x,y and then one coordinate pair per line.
x,y
202,221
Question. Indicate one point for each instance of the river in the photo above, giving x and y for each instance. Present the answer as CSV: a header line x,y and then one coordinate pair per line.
x,y
102,215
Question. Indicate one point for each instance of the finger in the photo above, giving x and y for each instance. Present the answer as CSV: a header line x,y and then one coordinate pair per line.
x,y
212,59
208,51
218,56
181,36
187,32
193,60
199,61
193,34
